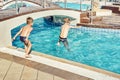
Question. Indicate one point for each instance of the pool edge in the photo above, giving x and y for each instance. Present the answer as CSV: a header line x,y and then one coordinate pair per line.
x,y
110,74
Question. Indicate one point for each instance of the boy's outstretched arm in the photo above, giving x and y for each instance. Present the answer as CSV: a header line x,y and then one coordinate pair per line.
x,y
75,26
17,34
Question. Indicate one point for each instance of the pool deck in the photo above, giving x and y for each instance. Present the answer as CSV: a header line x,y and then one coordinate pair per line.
x,y
67,70
112,22
10,70
19,68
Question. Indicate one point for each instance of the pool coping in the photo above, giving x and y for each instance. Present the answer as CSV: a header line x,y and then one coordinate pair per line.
x,y
77,64
104,26
106,74
17,56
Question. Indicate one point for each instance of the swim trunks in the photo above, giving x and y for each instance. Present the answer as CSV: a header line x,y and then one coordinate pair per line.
x,y
62,39
22,38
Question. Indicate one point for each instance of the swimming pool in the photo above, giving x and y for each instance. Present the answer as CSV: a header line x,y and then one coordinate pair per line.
x,y
74,6
19,5
95,47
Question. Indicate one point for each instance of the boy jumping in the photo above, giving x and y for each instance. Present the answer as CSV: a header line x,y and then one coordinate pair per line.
x,y
24,34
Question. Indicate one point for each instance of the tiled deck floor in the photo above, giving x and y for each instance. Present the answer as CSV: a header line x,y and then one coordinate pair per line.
x,y
13,71
18,68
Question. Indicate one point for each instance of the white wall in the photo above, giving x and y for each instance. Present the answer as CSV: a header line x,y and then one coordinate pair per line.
x,y
7,25
104,12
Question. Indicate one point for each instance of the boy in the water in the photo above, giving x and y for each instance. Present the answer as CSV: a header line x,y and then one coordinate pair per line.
x,y
64,33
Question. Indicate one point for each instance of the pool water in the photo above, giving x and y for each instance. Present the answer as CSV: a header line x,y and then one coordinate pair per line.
x,y
95,47
75,6
19,5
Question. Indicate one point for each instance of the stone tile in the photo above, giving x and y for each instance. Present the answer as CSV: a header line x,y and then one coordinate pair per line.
x,y
44,76
14,72
46,68
29,74
58,78
32,64
39,66
49,69
6,56
0,59
61,73
19,60
67,75
4,67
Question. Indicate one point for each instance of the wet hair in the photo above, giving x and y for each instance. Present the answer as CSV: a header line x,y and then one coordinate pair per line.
x,y
67,20
29,20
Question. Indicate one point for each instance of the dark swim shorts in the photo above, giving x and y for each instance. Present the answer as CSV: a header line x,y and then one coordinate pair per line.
x,y
22,38
62,39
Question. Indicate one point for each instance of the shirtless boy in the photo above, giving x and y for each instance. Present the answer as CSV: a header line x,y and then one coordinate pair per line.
x,y
64,33
24,34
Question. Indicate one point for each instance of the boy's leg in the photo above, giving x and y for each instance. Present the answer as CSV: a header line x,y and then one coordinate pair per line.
x,y
25,48
28,49
66,44
59,42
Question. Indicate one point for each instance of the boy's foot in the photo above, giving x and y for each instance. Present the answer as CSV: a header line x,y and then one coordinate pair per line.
x,y
58,44
28,56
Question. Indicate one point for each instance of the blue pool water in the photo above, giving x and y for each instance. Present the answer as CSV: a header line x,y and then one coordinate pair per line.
x,y
95,47
19,5
75,6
